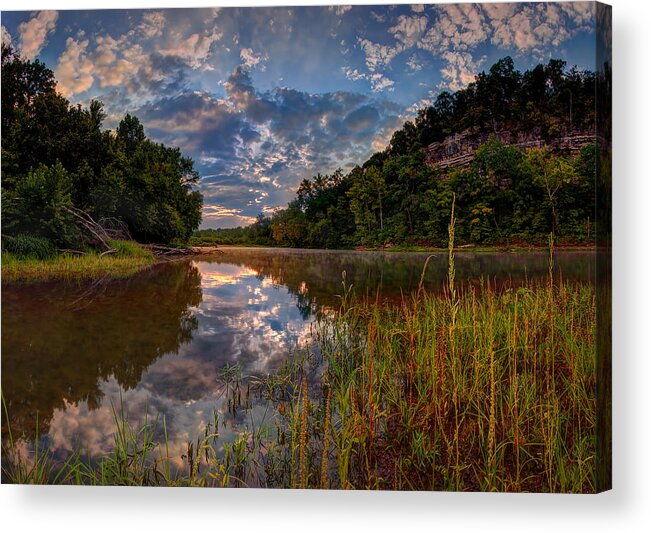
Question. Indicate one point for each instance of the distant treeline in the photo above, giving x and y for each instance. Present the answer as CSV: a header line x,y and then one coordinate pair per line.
x,y
505,196
56,156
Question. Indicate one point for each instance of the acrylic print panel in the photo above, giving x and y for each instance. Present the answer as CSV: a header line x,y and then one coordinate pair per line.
x,y
331,247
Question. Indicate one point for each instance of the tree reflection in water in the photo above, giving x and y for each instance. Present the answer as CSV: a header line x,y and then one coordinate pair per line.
x,y
160,339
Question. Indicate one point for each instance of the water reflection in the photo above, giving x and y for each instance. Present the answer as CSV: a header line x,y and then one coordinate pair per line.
x,y
158,341
60,341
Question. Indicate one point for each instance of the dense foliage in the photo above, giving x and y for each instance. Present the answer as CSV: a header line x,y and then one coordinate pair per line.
x,y
505,196
56,156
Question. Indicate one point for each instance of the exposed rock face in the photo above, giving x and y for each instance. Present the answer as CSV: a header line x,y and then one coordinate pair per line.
x,y
458,150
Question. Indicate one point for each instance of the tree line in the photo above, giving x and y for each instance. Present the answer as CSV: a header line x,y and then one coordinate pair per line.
x,y
506,195
57,156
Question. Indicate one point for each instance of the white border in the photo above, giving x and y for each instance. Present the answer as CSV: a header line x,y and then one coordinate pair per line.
x,y
626,508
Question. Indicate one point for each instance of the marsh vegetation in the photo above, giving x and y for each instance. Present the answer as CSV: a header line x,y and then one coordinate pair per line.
x,y
474,386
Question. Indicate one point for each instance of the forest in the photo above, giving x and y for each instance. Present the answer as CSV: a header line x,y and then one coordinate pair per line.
x,y
505,196
58,161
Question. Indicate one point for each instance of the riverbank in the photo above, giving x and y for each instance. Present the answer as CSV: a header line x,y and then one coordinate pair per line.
x,y
516,248
423,249
128,259
68,266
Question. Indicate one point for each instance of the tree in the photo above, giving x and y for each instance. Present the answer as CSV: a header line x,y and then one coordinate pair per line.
x,y
551,173
38,206
22,82
55,154
131,133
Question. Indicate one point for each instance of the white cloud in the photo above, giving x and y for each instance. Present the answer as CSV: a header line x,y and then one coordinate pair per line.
x,y
417,8
377,55
535,27
219,212
413,64
6,36
378,81
353,74
118,61
409,29
340,10
34,32
460,70
152,24
251,59
453,32
74,72
195,49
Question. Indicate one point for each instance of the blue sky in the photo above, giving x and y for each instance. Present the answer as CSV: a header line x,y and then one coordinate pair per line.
x,y
263,97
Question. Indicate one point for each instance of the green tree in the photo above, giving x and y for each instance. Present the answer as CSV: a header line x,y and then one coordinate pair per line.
x,y
38,206
551,173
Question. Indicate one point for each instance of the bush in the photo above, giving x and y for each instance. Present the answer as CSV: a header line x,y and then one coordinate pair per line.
x,y
28,247
38,206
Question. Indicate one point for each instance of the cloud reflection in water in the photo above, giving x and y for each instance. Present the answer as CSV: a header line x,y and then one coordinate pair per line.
x,y
243,319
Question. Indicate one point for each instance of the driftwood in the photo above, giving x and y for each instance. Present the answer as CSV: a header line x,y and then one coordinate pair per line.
x,y
160,250
69,251
105,230
205,250
86,222
98,232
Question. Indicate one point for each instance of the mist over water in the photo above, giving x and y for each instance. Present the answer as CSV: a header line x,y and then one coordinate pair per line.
x,y
158,343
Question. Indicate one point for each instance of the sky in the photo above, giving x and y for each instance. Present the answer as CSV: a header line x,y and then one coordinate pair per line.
x,y
264,97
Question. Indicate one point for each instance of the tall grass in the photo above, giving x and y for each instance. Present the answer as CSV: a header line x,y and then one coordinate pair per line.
x,y
128,259
473,389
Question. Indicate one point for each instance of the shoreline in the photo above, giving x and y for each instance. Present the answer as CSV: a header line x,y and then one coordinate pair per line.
x,y
92,266
416,249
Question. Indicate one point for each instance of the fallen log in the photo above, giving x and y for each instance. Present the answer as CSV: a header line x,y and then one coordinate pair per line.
x,y
163,251
85,221
205,250
69,251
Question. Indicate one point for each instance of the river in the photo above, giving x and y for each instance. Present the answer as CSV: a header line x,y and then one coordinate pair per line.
x,y
160,341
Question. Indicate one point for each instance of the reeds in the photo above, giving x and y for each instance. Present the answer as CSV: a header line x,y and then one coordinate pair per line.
x,y
467,390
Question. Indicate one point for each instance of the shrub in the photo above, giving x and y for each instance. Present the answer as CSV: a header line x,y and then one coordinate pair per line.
x,y
28,247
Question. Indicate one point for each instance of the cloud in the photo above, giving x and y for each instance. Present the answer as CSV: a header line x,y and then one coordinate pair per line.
x,y
253,147
250,59
74,72
6,36
453,33
340,10
118,61
34,32
414,64
378,81
378,17
353,74
218,213
535,27
152,24
377,55
460,70
409,30
193,49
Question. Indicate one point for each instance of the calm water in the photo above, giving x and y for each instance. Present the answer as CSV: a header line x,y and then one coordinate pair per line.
x,y
160,340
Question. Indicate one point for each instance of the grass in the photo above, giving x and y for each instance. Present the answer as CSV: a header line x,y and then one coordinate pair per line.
x,y
466,390
128,259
